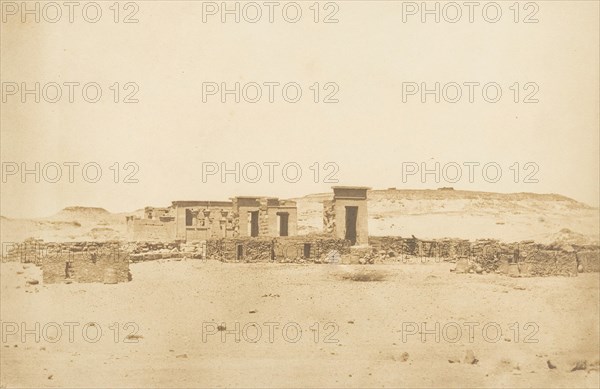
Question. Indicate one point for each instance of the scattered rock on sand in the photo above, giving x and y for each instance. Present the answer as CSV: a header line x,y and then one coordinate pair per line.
x,y
470,358
595,365
462,266
184,356
550,364
454,360
33,282
580,365
404,357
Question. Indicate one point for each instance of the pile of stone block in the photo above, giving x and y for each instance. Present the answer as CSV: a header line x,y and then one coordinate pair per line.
x,y
151,251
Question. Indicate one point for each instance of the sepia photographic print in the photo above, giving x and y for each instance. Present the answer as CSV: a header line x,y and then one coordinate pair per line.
x,y
300,194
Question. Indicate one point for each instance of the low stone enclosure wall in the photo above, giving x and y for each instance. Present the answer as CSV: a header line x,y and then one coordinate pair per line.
x,y
516,259
308,248
81,262
109,261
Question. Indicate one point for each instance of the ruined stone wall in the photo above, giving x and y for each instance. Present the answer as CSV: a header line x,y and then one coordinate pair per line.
x,y
525,258
329,216
397,247
252,249
588,259
75,261
548,262
317,248
280,249
150,229
151,251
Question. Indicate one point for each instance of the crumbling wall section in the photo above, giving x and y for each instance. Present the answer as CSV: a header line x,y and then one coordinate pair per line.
x,y
588,259
75,261
150,230
317,248
329,216
525,258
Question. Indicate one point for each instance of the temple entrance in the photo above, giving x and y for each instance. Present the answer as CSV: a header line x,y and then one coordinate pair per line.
x,y
283,223
253,220
351,217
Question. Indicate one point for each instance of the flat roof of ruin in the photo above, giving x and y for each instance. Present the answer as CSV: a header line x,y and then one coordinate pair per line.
x,y
200,202
351,187
255,197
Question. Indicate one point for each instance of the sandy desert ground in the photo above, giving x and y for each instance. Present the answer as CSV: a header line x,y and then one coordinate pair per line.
x,y
357,323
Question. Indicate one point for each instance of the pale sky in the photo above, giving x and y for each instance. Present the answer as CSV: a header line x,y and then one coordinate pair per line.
x,y
368,134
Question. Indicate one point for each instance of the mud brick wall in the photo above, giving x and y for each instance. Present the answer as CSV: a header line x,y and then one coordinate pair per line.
x,y
150,229
291,249
84,268
396,246
151,251
548,262
491,254
252,249
454,248
87,262
589,259
281,249
525,258
29,251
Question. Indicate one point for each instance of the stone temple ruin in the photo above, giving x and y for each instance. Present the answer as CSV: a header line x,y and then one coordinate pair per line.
x,y
203,220
345,217
256,229
264,229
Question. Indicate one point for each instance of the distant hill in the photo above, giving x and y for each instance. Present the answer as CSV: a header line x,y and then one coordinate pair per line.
x,y
70,224
430,214
427,214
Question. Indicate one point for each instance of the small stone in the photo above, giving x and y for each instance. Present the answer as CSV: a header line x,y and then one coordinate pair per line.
x,y
470,358
550,364
580,365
